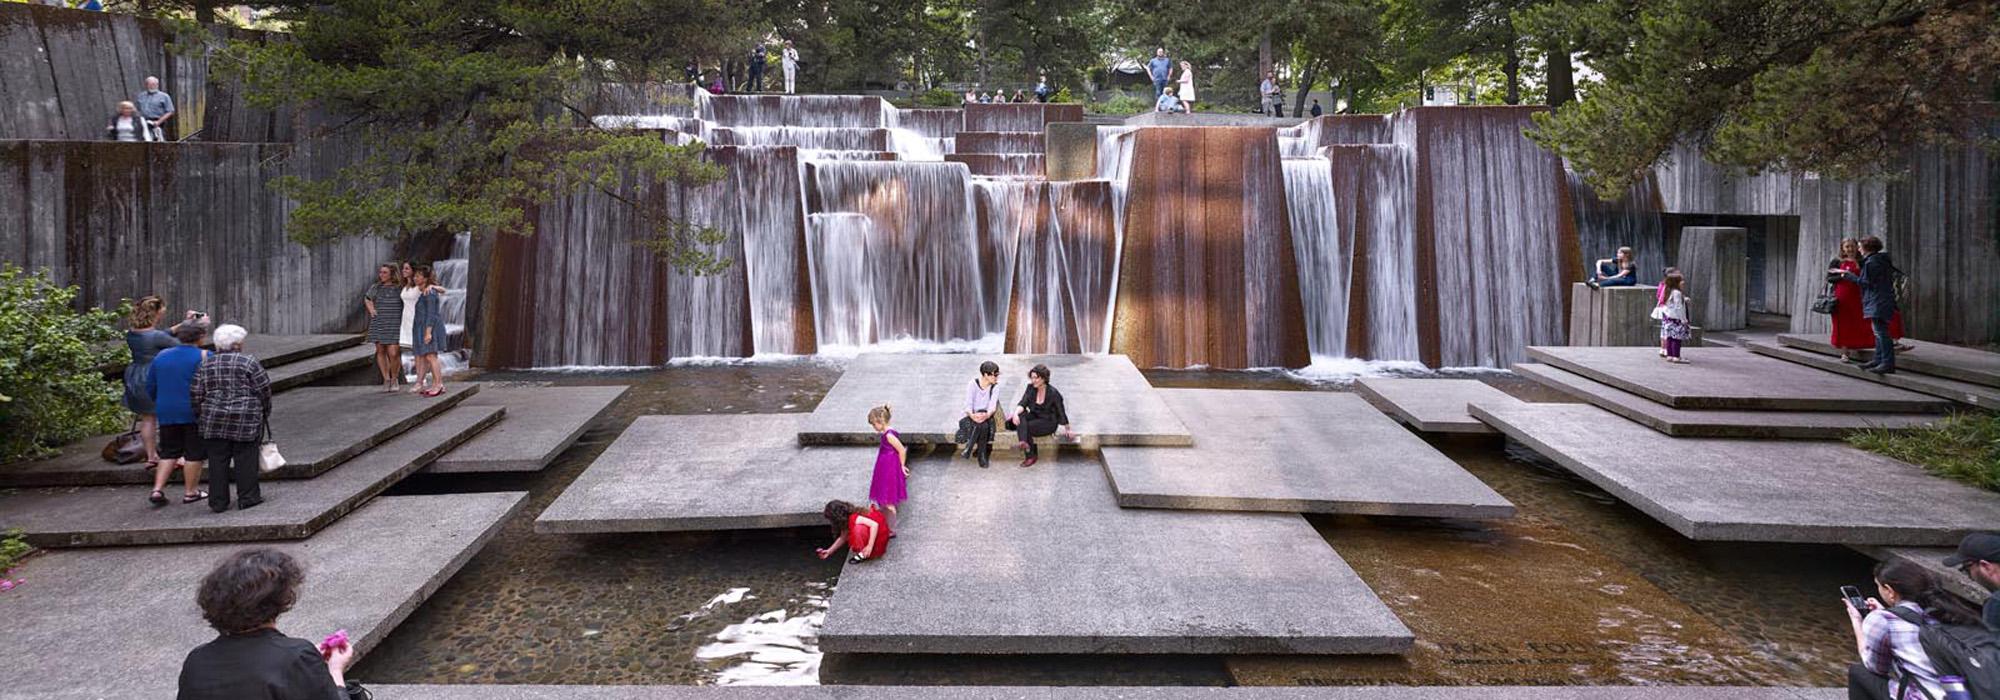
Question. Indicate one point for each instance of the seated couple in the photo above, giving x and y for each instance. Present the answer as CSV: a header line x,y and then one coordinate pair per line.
x,y
1039,413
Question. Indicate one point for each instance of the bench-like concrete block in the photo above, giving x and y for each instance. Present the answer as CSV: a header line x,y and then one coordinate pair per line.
x,y
1612,316
1715,261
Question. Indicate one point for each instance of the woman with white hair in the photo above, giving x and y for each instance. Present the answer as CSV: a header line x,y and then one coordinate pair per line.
x,y
127,125
232,402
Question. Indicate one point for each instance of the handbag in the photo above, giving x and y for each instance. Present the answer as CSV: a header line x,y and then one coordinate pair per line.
x,y
125,448
268,458
1826,302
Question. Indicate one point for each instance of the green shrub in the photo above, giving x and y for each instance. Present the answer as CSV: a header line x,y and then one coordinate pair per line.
x,y
1965,447
1123,104
52,386
12,550
1062,96
939,97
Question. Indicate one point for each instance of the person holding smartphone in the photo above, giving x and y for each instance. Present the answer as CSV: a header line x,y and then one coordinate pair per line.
x,y
1893,663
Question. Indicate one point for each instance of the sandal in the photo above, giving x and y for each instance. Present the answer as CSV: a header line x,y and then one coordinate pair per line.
x,y
158,498
195,497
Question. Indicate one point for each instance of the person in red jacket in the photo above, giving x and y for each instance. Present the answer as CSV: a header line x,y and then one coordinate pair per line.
x,y
864,531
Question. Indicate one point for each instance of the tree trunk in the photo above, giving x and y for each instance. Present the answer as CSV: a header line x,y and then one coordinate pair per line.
x,y
981,42
1264,59
204,12
1512,68
1305,86
1562,83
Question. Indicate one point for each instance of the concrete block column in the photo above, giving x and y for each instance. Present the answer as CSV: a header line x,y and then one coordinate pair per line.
x,y
1613,316
1714,259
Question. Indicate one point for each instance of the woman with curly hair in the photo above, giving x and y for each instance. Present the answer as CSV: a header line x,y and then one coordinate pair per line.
x,y
242,599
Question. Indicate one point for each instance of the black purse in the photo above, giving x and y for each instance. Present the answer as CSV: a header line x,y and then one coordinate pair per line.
x,y
1826,302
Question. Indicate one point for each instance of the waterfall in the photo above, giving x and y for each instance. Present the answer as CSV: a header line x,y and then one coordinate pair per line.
x,y
1323,251
453,275
843,281
768,210
1010,209
927,283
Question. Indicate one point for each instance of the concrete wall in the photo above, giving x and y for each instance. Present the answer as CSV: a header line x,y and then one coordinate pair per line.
x,y
1713,260
194,223
65,71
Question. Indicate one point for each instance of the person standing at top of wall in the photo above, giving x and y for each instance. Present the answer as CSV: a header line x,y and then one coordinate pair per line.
x,y
1043,93
1274,101
1316,111
1186,92
156,106
758,55
1159,69
789,60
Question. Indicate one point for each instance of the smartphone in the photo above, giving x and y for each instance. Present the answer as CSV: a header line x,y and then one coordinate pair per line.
x,y
1854,598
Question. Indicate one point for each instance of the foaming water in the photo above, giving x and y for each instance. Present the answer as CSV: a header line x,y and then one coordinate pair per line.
x,y
989,344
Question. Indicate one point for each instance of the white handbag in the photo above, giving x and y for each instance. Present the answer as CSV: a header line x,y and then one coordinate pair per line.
x,y
268,458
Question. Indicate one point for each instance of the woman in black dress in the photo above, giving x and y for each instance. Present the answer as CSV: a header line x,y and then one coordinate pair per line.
x,y
1041,413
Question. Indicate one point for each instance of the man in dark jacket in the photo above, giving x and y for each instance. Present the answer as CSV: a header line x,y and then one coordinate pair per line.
x,y
1878,301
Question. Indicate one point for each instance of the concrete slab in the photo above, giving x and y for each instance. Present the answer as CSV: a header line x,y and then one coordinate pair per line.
x,y
1932,560
104,516
682,692
1296,452
1935,359
1776,425
130,611
1043,561
316,428
1110,402
280,350
1729,378
1431,405
1614,316
541,423
1751,490
308,370
709,472
1966,393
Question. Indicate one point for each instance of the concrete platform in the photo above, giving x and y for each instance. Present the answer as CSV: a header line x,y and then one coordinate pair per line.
x,y
1966,393
308,370
1296,452
1110,402
1932,559
541,423
103,516
859,692
1431,405
116,623
316,428
1043,561
709,472
1751,490
1776,425
1729,378
280,350
1935,359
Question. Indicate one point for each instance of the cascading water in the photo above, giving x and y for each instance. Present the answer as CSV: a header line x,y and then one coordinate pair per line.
x,y
925,274
1324,253
453,275
1009,209
843,279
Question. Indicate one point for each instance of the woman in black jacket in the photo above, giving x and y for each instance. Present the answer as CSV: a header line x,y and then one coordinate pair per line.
x,y
1041,413
242,599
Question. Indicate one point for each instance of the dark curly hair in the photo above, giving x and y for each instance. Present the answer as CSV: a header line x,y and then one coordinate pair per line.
x,y
837,513
250,589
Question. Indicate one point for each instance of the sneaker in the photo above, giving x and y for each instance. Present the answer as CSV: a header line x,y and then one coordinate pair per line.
x,y
1879,369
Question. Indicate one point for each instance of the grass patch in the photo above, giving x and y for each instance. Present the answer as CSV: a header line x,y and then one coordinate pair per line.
x,y
13,548
1965,447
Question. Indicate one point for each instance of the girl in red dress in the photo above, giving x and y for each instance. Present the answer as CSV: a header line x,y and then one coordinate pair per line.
x,y
1851,331
864,531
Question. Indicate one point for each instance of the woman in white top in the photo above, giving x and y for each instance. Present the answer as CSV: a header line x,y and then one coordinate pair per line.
x,y
982,403
407,337
128,125
789,60
1186,92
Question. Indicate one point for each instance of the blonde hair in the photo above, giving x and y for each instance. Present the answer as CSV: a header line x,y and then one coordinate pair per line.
x,y
879,414
127,104
146,312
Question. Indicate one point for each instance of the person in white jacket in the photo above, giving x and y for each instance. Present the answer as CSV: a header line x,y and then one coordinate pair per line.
x,y
790,60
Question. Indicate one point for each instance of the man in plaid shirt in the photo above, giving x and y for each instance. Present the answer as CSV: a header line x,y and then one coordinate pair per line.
x,y
232,403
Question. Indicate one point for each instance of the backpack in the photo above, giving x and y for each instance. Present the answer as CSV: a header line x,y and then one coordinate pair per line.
x,y
1968,651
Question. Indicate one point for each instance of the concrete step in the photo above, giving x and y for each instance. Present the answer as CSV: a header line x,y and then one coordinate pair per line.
x,y
316,427
311,369
1732,379
541,422
1795,425
1962,392
131,611
1935,359
104,516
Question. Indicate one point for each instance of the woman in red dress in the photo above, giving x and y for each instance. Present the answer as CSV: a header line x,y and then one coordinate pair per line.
x,y
1851,331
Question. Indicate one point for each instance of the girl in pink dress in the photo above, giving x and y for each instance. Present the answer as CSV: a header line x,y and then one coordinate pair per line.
x,y
892,466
